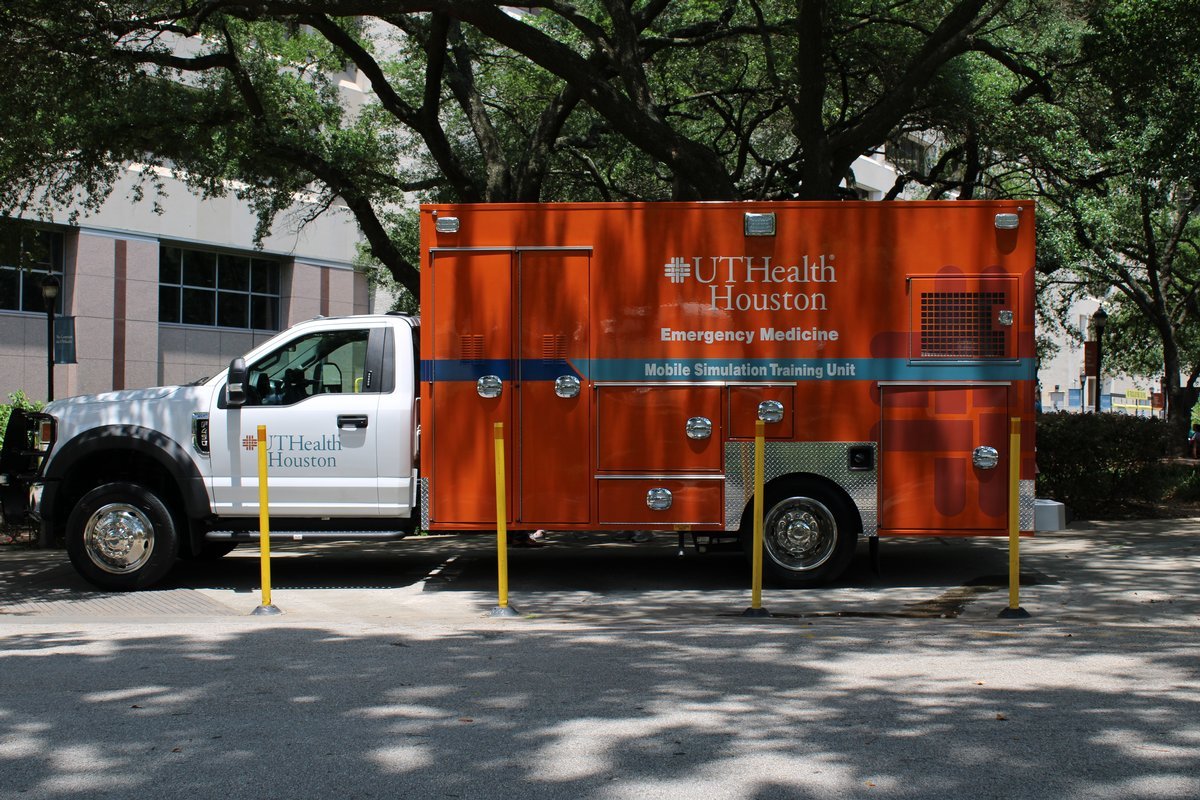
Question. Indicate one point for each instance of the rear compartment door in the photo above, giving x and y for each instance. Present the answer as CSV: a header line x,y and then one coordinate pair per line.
x,y
472,339
931,479
520,320
554,396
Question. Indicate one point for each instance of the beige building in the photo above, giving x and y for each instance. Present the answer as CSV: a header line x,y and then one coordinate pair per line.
x,y
163,298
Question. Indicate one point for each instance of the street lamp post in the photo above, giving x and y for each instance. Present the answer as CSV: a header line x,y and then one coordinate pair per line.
x,y
1099,319
50,288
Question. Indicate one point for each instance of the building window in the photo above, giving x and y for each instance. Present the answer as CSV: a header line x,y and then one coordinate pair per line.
x,y
27,256
198,287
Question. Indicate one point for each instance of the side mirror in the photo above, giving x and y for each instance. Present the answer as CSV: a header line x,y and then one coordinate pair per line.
x,y
235,384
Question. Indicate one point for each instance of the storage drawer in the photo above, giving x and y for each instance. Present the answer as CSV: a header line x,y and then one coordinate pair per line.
x,y
743,411
645,429
693,501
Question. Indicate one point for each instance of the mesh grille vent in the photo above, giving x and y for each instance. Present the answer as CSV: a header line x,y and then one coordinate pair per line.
x,y
959,325
554,347
470,347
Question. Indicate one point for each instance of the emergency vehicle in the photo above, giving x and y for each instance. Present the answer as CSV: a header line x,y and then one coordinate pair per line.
x,y
628,350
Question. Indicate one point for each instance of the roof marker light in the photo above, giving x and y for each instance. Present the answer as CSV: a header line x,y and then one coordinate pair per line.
x,y
760,224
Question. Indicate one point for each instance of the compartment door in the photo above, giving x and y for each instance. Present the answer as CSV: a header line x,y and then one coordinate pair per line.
x,y
554,394
930,483
473,338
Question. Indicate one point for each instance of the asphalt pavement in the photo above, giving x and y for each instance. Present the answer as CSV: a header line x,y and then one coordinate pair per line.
x,y
629,673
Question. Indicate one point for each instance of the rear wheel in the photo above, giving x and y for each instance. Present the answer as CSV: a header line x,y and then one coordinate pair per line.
x,y
122,536
809,535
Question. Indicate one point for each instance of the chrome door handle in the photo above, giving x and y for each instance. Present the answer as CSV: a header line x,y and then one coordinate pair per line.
x,y
985,457
566,386
699,428
770,411
489,386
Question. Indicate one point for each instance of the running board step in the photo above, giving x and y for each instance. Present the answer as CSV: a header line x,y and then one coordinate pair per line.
x,y
304,536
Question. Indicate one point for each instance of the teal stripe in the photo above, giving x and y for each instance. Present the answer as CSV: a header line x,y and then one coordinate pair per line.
x,y
804,369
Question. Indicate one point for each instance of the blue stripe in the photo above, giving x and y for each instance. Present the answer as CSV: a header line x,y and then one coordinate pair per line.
x,y
785,370
532,369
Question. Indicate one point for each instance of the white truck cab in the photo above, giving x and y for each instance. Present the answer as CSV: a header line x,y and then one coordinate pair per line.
x,y
131,480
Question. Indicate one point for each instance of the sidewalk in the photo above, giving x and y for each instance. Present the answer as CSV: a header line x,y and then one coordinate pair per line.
x,y
630,676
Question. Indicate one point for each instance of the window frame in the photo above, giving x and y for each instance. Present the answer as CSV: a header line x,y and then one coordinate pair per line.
x,y
189,278
54,264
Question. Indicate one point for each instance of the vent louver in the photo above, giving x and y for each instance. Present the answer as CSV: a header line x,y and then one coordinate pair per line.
x,y
554,348
470,347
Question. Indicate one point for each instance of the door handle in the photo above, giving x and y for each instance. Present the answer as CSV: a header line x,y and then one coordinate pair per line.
x,y
985,457
352,421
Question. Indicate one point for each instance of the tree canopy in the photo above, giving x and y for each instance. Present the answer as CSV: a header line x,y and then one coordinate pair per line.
x,y
476,101
1116,157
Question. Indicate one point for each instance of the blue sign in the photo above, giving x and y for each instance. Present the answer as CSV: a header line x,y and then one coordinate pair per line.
x,y
64,340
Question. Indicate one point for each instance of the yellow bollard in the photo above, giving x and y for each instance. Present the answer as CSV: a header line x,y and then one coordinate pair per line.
x,y
1014,610
264,528
756,558
502,609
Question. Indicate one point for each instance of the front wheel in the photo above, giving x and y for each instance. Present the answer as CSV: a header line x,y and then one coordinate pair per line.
x,y
809,535
121,537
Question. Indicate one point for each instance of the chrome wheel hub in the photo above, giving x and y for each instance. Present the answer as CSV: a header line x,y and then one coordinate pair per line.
x,y
119,538
800,534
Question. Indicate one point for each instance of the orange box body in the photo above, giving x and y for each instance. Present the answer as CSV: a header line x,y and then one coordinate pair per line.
x,y
633,346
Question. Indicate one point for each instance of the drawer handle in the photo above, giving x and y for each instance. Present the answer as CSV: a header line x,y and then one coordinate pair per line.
x,y
658,499
770,411
699,428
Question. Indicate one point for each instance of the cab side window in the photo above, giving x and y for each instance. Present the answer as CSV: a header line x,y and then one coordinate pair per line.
x,y
329,362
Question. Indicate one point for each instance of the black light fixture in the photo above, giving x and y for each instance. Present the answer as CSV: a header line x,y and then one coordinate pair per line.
x,y
1099,320
50,287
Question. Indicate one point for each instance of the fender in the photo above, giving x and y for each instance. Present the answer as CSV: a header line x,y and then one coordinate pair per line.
x,y
160,448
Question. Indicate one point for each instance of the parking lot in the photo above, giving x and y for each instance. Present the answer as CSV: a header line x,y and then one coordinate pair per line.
x,y
629,673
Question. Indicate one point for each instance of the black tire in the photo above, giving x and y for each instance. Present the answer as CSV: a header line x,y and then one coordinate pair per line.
x,y
122,537
809,535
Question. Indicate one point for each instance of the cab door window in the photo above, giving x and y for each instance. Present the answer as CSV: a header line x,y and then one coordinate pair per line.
x,y
328,362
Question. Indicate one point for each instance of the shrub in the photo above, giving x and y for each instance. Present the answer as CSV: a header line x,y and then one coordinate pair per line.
x,y
16,400
1097,463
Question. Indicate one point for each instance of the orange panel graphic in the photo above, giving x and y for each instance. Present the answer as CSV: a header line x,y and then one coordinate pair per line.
x,y
929,482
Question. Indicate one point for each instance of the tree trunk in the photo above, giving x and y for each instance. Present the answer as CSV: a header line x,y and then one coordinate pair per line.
x,y
1180,400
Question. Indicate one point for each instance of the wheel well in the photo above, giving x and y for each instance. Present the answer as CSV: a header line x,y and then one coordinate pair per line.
x,y
799,479
108,466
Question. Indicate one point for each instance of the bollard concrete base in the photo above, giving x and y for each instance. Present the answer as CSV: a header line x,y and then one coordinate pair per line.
x,y
756,613
1014,613
266,611
504,611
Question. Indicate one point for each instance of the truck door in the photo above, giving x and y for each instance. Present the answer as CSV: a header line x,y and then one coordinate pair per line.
x,y
318,396
506,327
555,399
944,459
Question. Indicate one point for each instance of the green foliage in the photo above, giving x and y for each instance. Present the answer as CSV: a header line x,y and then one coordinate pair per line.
x,y
1100,463
15,400
681,99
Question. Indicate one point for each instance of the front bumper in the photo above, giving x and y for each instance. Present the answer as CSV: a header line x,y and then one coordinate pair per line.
x,y
21,466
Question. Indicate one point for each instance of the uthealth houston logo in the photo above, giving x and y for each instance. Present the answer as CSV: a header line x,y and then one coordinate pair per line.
x,y
297,450
726,276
